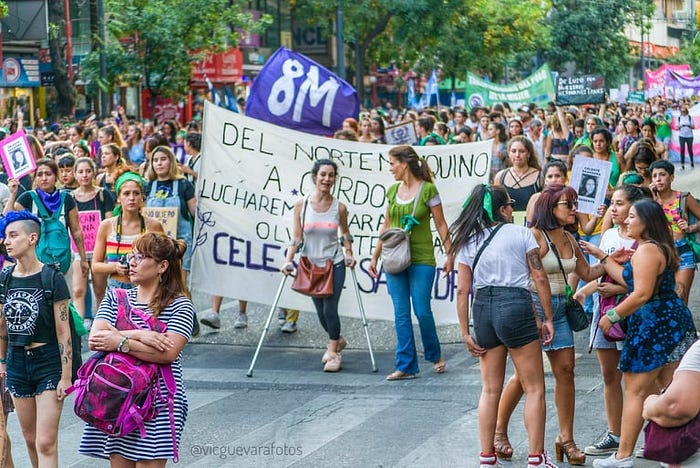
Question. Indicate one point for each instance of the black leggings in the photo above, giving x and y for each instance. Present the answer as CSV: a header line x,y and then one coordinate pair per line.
x,y
689,143
327,307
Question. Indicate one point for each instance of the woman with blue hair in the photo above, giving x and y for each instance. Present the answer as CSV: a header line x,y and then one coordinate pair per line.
x,y
35,339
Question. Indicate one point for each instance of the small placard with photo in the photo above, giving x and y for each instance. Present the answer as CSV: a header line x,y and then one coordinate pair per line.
x,y
590,179
17,156
402,134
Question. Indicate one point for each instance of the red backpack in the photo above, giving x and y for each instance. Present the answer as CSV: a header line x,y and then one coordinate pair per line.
x,y
116,392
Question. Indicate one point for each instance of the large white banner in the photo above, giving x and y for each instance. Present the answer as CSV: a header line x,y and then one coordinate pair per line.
x,y
253,172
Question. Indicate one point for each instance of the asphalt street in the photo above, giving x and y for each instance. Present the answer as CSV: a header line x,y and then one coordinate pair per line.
x,y
292,414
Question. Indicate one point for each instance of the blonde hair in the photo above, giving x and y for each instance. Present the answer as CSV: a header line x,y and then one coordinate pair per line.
x,y
174,173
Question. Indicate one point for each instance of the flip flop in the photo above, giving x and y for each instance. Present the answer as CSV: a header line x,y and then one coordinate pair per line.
x,y
398,375
440,366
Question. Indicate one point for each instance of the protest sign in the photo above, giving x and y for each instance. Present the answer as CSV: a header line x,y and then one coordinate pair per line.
x,y
402,134
537,88
89,223
590,179
254,173
17,156
582,89
295,92
167,215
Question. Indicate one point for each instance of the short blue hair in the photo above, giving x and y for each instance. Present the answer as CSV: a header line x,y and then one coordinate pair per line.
x,y
12,216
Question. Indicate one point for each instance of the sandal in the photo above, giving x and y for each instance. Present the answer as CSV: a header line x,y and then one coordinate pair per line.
x,y
398,375
440,366
501,444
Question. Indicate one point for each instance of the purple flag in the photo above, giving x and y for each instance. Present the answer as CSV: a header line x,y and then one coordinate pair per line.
x,y
295,92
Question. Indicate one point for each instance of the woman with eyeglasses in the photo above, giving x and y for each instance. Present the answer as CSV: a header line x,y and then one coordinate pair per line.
x,y
154,268
496,259
555,209
116,235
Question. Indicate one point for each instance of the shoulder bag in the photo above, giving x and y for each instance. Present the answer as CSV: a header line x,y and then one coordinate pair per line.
x,y
396,244
311,279
575,315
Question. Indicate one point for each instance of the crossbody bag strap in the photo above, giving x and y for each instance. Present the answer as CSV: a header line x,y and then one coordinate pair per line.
x,y
553,248
483,247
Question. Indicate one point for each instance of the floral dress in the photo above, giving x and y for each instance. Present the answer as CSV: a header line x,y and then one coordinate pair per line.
x,y
661,331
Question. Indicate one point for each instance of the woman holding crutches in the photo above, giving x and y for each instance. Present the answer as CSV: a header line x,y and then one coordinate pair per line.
x,y
317,219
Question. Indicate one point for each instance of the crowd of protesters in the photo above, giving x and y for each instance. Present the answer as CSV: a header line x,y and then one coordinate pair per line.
x,y
634,252
631,257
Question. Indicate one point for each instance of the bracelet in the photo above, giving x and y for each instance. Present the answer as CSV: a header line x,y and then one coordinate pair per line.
x,y
613,316
121,343
603,260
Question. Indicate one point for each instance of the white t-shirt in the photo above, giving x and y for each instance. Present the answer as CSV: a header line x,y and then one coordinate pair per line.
x,y
611,241
503,262
691,359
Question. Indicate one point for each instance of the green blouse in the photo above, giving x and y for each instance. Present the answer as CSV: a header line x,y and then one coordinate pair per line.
x,y
422,249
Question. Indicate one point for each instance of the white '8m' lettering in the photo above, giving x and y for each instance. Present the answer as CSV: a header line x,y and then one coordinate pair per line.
x,y
284,87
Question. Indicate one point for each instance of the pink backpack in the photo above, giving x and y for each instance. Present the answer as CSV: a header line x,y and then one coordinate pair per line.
x,y
116,392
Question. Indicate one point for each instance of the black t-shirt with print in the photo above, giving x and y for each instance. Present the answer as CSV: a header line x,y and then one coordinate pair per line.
x,y
29,317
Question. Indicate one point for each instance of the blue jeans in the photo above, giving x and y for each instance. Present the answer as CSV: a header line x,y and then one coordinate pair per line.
x,y
413,286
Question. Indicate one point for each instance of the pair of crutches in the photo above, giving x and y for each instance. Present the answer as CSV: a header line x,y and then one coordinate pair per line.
x,y
273,307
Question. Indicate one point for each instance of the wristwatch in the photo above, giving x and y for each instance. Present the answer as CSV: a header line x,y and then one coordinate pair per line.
x,y
123,345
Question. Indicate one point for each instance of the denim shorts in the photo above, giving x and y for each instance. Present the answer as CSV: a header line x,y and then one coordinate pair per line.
x,y
563,335
504,316
686,254
33,371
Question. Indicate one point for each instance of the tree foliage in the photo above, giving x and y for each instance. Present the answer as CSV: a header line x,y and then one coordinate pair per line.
x,y
155,42
591,35
420,35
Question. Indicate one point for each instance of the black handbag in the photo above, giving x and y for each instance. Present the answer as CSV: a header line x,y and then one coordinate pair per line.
x,y
575,315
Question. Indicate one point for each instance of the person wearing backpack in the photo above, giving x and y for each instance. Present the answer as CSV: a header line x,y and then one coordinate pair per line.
x,y
36,349
155,268
58,214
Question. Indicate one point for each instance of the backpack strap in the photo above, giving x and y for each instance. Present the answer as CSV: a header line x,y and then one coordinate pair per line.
x,y
166,373
683,203
41,208
48,282
126,310
5,275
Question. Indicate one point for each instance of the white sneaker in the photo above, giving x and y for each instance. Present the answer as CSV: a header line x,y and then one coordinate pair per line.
x,y
612,462
281,316
289,327
211,319
489,461
241,320
540,461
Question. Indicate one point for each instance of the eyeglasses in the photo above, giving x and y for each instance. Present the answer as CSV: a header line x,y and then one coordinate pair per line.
x,y
135,258
570,204
510,202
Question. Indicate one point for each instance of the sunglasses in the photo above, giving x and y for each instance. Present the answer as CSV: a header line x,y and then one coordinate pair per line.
x,y
570,204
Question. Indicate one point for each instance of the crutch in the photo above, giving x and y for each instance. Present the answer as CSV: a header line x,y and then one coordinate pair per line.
x,y
364,318
267,325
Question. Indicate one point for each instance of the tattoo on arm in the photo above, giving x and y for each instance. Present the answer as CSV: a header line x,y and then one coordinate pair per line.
x,y
534,260
63,315
66,352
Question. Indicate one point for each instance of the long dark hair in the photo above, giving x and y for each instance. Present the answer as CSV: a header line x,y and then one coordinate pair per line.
x,y
474,218
656,229
417,165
